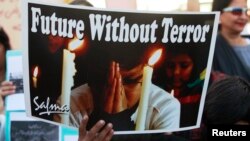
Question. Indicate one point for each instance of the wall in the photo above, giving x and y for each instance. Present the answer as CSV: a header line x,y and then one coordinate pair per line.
x,y
10,19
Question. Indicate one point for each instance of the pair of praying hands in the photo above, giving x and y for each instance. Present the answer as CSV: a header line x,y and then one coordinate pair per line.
x,y
115,101
115,98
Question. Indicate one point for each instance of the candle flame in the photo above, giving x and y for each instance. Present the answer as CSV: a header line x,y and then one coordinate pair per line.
x,y
75,43
35,73
155,57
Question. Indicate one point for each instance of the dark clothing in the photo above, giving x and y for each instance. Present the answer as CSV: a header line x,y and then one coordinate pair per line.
x,y
227,61
147,137
189,114
121,121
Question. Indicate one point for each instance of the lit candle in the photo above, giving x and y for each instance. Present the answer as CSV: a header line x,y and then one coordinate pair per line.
x,y
146,83
68,72
34,78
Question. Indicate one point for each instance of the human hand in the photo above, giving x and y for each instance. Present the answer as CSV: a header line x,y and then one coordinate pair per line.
x,y
96,133
6,88
115,99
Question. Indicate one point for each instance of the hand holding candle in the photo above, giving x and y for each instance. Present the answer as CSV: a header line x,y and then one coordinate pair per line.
x,y
67,76
146,83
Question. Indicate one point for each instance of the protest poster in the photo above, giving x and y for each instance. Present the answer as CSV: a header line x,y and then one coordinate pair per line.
x,y
143,71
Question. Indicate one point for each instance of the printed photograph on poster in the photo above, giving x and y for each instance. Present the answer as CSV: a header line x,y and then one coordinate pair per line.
x,y
14,71
23,128
142,71
33,130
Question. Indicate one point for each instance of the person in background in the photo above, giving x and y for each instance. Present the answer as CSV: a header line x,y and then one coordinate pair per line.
x,y
227,102
182,70
232,51
81,2
6,87
182,74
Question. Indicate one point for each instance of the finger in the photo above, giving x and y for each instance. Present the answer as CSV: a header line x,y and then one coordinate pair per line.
x,y
6,83
111,74
110,90
94,130
8,87
105,132
5,93
109,135
113,89
123,97
6,90
109,99
82,128
117,70
113,70
117,99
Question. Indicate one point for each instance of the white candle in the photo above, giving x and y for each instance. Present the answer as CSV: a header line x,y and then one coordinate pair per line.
x,y
68,72
67,82
34,78
142,110
146,83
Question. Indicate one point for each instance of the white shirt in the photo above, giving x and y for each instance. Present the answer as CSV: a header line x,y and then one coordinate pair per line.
x,y
163,110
